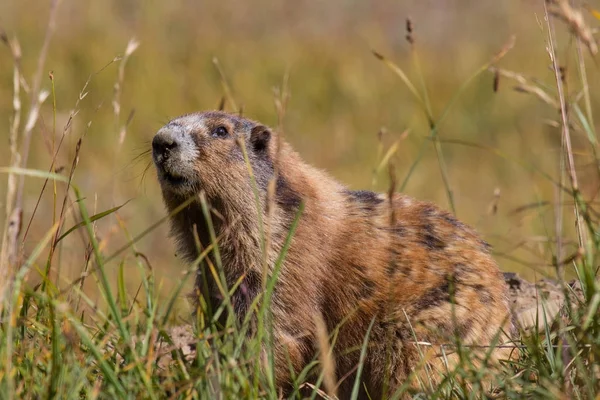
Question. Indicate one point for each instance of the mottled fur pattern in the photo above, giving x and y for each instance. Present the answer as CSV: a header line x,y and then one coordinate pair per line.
x,y
356,256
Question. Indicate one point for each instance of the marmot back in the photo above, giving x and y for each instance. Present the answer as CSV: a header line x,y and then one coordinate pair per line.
x,y
356,256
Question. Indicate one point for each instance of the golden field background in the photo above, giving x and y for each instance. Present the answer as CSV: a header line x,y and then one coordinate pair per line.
x,y
341,96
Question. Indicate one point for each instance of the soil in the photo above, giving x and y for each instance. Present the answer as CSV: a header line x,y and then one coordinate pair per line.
x,y
535,304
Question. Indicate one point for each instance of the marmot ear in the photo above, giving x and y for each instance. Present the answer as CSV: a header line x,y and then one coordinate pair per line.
x,y
259,138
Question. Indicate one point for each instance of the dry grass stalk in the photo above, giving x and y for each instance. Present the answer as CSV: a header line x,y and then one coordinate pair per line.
x,y
318,391
524,86
563,112
574,19
325,356
14,197
281,99
226,88
63,208
504,50
132,46
38,97
12,217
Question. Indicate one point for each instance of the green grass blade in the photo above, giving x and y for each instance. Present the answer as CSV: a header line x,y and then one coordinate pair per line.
x,y
107,372
56,354
34,173
403,77
121,289
361,361
93,218
13,303
107,292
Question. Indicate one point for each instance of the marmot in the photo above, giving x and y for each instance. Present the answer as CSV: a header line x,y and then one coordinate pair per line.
x,y
357,257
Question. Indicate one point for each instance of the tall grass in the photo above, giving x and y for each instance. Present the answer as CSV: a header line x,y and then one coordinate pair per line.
x,y
94,336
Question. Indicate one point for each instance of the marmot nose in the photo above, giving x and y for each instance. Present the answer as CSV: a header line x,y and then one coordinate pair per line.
x,y
163,144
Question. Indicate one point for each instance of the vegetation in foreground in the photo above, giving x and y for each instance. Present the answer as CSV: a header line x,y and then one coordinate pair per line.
x,y
56,340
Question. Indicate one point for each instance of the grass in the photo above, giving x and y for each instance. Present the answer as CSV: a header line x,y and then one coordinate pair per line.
x,y
87,308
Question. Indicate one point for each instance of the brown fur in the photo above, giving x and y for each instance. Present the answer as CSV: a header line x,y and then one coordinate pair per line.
x,y
356,256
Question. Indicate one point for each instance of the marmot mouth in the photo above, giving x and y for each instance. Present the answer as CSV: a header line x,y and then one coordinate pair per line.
x,y
173,179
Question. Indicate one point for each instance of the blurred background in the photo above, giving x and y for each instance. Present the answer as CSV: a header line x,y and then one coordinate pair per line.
x,y
341,97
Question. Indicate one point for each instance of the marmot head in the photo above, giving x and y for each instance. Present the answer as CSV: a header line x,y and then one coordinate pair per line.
x,y
202,151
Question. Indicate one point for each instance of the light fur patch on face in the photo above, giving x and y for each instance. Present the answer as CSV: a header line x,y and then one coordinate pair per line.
x,y
191,122
184,160
181,160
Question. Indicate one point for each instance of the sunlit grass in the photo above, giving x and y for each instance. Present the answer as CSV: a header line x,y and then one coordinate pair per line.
x,y
96,286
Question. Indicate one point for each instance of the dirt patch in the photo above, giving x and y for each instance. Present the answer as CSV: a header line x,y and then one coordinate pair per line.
x,y
535,304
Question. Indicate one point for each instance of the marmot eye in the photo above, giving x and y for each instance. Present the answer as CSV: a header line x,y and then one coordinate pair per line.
x,y
220,131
